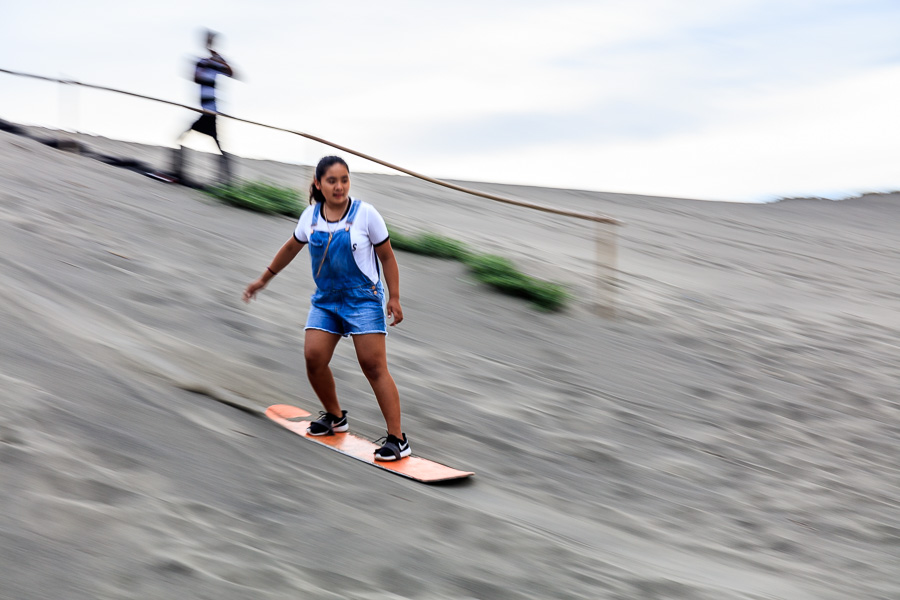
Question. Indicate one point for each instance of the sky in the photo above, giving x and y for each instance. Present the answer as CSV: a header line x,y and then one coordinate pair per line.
x,y
736,100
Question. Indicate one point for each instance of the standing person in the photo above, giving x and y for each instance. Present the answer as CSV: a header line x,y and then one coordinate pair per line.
x,y
346,238
205,72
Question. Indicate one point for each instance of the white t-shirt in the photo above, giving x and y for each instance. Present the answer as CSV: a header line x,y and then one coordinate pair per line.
x,y
367,231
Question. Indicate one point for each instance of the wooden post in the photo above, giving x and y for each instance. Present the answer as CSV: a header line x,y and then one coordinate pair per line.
x,y
69,144
605,264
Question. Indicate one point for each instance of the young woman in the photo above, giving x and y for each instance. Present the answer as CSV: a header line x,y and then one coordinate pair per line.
x,y
346,238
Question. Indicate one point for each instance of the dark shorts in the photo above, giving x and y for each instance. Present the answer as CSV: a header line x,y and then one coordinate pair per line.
x,y
206,125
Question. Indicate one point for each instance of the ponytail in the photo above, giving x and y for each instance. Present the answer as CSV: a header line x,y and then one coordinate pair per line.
x,y
315,194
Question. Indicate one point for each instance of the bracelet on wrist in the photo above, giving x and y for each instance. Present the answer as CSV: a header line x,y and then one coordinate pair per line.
x,y
269,269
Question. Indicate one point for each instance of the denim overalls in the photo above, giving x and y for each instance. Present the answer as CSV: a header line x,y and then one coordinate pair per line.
x,y
346,302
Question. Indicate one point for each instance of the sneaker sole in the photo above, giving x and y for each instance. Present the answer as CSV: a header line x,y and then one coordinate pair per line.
x,y
403,454
308,432
339,429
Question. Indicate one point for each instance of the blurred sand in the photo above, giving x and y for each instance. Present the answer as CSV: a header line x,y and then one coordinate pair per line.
x,y
731,434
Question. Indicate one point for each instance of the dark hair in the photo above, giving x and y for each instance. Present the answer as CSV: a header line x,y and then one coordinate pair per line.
x,y
315,194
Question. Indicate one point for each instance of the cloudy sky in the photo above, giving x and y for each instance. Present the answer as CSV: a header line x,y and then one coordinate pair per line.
x,y
744,100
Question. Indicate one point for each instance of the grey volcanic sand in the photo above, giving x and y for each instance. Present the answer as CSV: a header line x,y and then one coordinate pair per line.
x,y
731,432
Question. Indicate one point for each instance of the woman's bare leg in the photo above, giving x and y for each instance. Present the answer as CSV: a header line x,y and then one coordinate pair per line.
x,y
372,356
318,348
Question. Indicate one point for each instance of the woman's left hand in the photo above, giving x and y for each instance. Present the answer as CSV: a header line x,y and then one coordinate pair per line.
x,y
394,310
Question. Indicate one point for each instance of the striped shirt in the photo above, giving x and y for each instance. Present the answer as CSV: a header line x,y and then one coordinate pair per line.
x,y
205,74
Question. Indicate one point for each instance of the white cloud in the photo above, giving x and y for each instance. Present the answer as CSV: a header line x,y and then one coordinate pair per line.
x,y
815,140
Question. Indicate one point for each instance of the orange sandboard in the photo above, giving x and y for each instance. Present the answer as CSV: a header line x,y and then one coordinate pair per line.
x,y
413,467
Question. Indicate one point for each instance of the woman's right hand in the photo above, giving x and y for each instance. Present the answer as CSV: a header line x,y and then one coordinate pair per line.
x,y
250,292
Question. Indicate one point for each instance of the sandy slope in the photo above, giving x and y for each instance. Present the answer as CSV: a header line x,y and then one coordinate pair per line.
x,y
731,433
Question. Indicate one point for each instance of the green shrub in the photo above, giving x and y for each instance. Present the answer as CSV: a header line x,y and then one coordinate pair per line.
x,y
261,197
430,244
491,264
400,241
492,270
501,274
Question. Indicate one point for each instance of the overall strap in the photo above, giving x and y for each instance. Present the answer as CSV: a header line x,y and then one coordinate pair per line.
x,y
354,207
315,218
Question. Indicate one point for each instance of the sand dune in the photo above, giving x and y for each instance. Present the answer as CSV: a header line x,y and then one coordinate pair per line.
x,y
731,433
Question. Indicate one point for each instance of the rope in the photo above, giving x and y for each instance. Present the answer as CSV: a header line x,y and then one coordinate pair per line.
x,y
446,184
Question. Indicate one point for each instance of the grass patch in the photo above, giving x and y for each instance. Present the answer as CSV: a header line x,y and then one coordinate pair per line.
x,y
501,274
260,197
490,269
430,244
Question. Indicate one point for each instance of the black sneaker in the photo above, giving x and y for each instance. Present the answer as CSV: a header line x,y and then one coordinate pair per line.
x,y
393,449
328,424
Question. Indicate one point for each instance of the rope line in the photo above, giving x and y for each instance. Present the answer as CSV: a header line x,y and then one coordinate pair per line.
x,y
446,184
